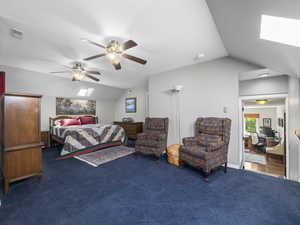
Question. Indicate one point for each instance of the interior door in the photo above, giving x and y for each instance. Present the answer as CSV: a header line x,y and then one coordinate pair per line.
x,y
284,132
243,130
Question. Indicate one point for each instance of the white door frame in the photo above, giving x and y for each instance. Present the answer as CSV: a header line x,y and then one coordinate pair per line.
x,y
241,125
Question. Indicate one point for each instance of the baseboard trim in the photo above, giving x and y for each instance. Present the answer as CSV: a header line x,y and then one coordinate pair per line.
x,y
234,166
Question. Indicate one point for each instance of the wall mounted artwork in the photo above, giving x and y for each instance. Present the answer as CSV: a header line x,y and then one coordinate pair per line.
x,y
130,105
267,122
280,122
67,106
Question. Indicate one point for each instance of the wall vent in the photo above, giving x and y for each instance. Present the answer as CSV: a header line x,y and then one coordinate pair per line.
x,y
16,34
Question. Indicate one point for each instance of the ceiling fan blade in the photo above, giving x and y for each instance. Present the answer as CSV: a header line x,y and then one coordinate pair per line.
x,y
117,66
93,72
94,43
95,56
128,44
91,77
66,71
133,58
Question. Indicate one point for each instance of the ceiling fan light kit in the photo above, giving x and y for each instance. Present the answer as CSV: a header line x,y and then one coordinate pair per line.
x,y
115,51
79,72
78,76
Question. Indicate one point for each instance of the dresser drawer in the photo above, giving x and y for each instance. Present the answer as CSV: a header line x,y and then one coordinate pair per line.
x,y
22,163
131,129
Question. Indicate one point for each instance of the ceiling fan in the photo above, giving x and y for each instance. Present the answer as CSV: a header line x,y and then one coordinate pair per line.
x,y
115,51
79,72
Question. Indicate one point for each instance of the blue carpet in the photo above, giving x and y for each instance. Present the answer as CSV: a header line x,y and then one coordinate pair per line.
x,y
138,190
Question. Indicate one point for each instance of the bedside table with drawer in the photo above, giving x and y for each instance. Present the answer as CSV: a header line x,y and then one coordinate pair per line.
x,y
45,139
131,129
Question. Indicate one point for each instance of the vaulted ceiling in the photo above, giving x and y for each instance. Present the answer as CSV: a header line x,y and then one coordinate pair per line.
x,y
170,34
239,22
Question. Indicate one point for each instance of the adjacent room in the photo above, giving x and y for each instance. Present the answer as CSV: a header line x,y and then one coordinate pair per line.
x,y
150,113
264,135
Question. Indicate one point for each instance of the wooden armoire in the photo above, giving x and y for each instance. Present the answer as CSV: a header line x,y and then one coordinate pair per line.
x,y
20,138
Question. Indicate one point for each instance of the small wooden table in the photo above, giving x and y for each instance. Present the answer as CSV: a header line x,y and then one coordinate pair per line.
x,y
173,155
248,142
45,139
132,129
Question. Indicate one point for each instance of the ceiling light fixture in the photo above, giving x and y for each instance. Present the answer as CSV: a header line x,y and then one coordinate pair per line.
x,y
200,55
16,33
261,102
83,40
78,75
263,75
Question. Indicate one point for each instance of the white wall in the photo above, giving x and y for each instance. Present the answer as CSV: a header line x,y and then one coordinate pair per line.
x,y
23,81
142,103
294,123
264,86
208,88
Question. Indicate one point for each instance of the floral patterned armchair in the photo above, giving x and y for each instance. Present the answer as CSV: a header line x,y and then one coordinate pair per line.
x,y
153,141
208,149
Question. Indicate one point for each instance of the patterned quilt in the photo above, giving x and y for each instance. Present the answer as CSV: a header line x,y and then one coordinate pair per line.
x,y
87,139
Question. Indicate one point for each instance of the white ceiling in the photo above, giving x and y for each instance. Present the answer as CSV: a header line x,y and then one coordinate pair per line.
x,y
170,34
239,21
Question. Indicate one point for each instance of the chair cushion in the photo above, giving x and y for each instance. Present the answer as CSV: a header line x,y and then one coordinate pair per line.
x,y
212,142
148,143
196,151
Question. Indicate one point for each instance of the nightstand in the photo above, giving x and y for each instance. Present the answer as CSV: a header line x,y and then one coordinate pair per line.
x,y
45,138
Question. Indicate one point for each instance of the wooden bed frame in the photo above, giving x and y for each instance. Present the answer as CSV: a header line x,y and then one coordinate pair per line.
x,y
55,139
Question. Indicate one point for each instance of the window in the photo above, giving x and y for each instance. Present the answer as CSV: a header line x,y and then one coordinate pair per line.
x,y
281,30
85,92
250,125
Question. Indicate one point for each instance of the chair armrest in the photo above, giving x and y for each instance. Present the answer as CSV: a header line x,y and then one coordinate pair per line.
x,y
190,141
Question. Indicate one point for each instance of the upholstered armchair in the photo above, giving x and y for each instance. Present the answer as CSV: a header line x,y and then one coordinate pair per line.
x,y
208,149
153,141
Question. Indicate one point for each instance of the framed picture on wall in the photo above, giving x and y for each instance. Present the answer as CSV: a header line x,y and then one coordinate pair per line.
x,y
130,105
267,122
68,106
281,122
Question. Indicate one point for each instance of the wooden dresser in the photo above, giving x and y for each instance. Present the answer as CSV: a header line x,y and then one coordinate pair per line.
x,y
131,129
20,138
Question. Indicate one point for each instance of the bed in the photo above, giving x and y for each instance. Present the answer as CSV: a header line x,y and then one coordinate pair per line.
x,y
80,139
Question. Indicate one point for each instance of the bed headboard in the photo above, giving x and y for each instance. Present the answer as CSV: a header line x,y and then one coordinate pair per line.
x,y
53,119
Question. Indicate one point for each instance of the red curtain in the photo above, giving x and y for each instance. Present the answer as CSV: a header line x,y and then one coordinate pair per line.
x,y
2,83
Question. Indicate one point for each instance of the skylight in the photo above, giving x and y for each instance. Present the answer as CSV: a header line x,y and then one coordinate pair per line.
x,y
280,29
85,92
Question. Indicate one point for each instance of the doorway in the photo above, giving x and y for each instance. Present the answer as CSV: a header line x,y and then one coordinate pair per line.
x,y
263,134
